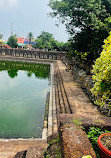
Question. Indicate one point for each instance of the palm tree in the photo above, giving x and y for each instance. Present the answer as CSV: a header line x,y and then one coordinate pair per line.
x,y
30,36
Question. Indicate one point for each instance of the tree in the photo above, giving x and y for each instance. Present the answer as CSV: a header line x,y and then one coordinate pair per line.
x,y
82,14
45,41
91,17
61,46
30,36
48,42
12,41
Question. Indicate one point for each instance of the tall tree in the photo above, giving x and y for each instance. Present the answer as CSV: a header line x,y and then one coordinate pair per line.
x,y
45,41
12,41
91,17
30,36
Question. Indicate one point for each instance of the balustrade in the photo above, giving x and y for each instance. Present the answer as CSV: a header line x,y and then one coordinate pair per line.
x,y
32,53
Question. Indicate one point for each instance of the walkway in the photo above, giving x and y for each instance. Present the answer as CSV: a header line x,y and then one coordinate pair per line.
x,y
75,100
75,109
67,100
10,147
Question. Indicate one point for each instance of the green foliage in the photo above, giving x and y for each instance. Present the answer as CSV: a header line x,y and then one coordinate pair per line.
x,y
12,41
93,133
77,122
53,149
61,46
83,14
69,55
44,41
39,70
102,76
12,73
47,41
87,22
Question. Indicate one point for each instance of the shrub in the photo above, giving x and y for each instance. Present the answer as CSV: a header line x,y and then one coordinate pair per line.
x,y
93,133
102,77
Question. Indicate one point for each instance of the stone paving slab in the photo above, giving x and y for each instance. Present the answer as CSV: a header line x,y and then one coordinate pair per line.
x,y
79,102
35,152
10,147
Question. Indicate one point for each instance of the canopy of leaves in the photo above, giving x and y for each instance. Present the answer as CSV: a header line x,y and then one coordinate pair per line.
x,y
12,41
47,41
88,23
83,14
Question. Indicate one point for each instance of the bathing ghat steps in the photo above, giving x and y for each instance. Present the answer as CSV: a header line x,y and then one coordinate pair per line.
x,y
62,102
56,104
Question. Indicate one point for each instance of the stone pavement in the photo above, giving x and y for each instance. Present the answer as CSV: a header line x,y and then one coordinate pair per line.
x,y
81,112
79,102
10,147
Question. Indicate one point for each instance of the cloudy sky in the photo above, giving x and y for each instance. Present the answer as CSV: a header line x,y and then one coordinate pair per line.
x,y
28,16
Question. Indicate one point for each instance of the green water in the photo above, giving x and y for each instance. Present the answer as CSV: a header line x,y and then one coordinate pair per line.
x,y
23,91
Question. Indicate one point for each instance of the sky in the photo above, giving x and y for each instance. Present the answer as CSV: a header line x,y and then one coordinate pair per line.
x,y
29,16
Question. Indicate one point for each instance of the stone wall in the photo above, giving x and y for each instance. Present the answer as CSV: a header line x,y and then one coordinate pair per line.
x,y
82,74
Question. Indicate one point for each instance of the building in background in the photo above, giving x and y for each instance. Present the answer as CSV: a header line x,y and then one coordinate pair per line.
x,y
3,44
24,42
20,40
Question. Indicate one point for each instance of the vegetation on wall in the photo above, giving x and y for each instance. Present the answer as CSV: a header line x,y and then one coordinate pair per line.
x,y
102,77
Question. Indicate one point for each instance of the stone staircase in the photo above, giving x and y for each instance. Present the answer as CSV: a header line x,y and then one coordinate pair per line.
x,y
62,102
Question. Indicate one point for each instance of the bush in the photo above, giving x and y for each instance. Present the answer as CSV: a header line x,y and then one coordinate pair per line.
x,y
102,77
93,133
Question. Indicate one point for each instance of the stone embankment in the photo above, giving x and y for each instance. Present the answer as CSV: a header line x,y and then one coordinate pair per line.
x,y
74,110
83,75
68,108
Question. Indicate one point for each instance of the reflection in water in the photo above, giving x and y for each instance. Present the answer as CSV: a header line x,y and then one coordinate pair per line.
x,y
40,70
23,91
12,73
29,73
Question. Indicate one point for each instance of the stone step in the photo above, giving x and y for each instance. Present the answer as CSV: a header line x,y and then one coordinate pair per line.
x,y
66,102
52,114
59,98
63,104
37,151
61,101
15,148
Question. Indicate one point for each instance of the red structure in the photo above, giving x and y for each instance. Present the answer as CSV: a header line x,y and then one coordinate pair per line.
x,y
21,40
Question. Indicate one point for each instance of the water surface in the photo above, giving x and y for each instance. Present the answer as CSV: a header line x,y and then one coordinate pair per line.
x,y
23,91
